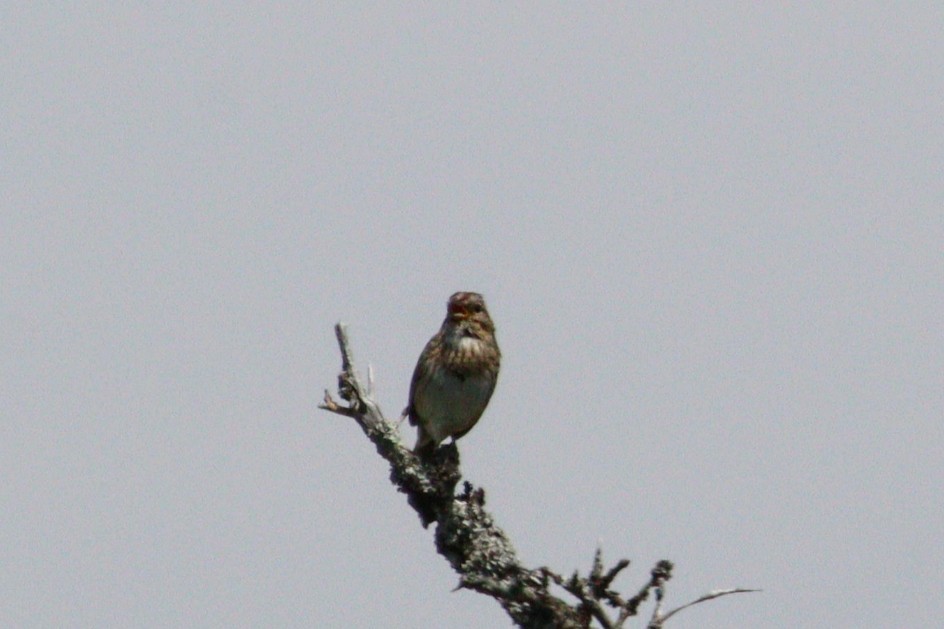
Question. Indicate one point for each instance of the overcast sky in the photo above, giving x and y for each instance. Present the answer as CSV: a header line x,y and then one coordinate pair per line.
x,y
711,236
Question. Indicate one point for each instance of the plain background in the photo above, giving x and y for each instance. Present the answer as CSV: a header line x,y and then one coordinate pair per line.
x,y
710,237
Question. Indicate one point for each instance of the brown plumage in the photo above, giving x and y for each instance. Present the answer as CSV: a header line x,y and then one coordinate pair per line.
x,y
455,375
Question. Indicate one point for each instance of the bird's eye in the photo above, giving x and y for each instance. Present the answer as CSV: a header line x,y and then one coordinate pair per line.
x,y
476,308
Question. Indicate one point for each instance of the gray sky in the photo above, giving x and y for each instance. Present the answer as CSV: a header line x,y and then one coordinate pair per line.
x,y
710,237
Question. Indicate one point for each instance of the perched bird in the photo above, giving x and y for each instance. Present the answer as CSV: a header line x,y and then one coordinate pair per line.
x,y
455,375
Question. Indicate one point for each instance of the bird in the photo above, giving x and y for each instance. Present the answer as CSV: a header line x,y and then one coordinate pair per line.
x,y
455,375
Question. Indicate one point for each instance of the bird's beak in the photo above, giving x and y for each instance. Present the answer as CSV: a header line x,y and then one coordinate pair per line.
x,y
459,314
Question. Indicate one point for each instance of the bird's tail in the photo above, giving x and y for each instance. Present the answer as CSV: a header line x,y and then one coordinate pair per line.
x,y
425,445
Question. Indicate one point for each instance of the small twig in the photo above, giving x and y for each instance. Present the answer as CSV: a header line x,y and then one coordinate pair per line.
x,y
586,592
707,597
661,573
611,575
330,405
597,611
362,406
347,355
656,621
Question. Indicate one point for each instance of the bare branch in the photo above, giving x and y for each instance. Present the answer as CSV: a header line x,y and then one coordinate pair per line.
x,y
362,406
661,573
701,599
612,573
466,535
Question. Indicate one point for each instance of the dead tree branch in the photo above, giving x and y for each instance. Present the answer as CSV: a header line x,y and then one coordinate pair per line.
x,y
466,535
